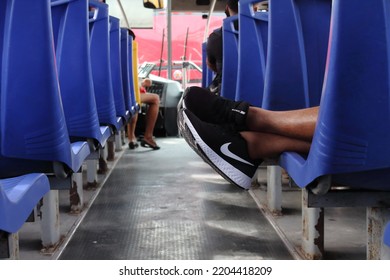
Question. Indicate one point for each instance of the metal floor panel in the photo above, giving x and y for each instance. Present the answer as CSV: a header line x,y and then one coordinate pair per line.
x,y
170,205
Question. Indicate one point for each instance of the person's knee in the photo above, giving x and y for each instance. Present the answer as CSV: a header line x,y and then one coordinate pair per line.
x,y
156,99
151,99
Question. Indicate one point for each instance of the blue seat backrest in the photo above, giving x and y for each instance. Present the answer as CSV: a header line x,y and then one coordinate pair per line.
x,y
71,37
2,19
229,57
297,48
116,69
352,132
127,72
252,48
207,73
32,118
101,66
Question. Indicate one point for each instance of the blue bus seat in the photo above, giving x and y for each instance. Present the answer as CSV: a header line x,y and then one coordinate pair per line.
x,y
71,39
207,73
297,49
18,197
352,133
126,82
101,65
116,69
32,124
386,235
127,71
229,57
252,49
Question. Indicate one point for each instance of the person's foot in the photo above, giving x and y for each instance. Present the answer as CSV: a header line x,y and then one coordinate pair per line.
x,y
133,145
212,108
224,150
149,143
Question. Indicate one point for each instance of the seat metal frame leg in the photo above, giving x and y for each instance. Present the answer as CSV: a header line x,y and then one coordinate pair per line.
x,y
274,189
103,165
9,245
312,229
111,148
76,193
92,173
50,223
377,218
118,141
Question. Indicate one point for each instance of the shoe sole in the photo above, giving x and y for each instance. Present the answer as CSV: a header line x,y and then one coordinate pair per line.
x,y
222,167
186,134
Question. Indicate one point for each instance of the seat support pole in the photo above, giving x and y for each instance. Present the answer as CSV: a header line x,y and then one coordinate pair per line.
x,y
103,165
111,148
118,141
50,224
76,193
274,189
377,217
312,229
13,243
91,173
9,245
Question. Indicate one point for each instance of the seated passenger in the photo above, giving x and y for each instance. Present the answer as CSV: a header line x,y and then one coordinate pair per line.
x,y
214,49
236,137
261,6
152,100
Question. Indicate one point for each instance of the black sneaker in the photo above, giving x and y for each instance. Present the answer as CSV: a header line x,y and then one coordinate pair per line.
x,y
215,109
224,150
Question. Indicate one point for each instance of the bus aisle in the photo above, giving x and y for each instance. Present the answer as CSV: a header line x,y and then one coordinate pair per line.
x,y
170,205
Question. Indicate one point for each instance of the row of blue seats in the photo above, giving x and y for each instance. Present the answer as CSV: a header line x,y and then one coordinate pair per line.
x,y
300,69
61,104
301,54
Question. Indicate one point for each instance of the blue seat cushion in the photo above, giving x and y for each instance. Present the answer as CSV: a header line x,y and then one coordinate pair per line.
x,y
18,197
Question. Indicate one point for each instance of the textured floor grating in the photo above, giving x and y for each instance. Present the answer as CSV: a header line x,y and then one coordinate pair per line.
x,y
169,205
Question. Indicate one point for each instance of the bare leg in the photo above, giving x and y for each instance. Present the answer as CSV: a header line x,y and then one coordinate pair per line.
x,y
131,128
297,124
153,100
267,145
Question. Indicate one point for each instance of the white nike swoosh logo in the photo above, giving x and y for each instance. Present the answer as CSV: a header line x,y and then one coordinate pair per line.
x,y
225,150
